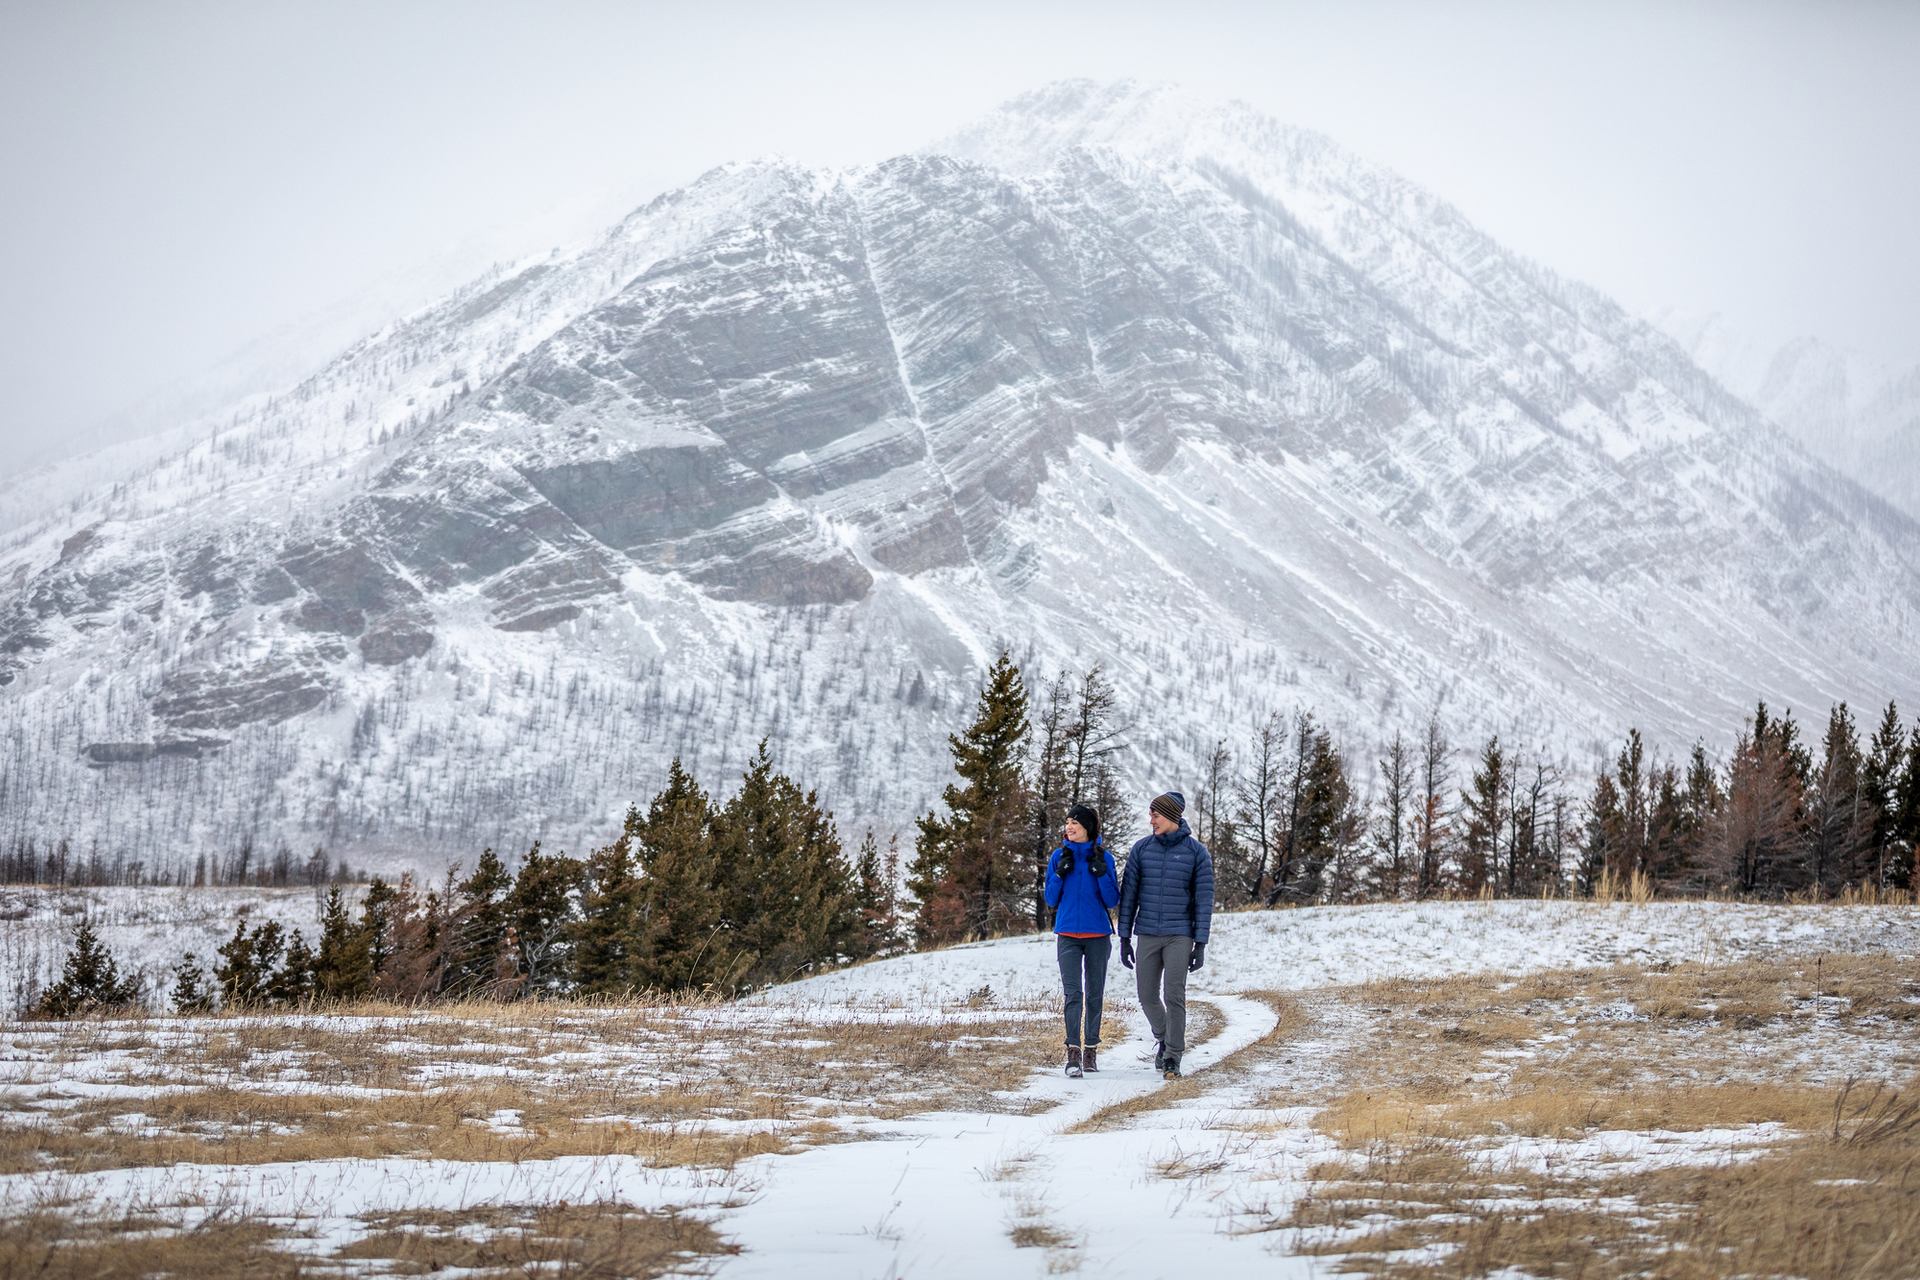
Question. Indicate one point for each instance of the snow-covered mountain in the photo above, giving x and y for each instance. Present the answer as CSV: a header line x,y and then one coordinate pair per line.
x,y
1116,374
1849,410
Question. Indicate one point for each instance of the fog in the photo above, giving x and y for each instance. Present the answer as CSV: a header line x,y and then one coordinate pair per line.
x,y
206,199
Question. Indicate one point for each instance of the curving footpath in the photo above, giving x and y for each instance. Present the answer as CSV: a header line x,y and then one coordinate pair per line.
x,y
940,1194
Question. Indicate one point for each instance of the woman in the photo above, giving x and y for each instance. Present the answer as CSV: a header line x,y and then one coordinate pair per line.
x,y
1081,888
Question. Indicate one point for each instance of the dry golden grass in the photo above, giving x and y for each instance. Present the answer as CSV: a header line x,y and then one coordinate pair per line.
x,y
586,1080
588,1241
1707,1047
48,1245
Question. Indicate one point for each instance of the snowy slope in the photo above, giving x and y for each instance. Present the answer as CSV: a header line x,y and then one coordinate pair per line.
x,y
1117,374
1849,410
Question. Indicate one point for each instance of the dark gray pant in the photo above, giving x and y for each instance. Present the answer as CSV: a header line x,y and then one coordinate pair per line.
x,y
1089,954
1160,966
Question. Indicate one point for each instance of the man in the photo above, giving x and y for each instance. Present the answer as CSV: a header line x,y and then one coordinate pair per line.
x,y
1166,896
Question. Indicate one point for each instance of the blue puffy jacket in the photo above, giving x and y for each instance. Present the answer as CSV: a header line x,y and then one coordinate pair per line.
x,y
1081,896
1168,889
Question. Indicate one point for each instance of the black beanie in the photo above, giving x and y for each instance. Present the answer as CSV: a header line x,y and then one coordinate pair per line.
x,y
1087,816
1169,806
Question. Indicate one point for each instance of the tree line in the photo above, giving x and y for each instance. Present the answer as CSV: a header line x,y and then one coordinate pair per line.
x,y
695,895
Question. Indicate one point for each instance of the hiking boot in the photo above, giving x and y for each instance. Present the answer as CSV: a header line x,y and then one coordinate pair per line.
x,y
1073,1061
1088,1059
1159,1055
1170,1068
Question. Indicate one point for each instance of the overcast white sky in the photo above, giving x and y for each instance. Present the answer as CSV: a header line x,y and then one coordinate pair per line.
x,y
196,196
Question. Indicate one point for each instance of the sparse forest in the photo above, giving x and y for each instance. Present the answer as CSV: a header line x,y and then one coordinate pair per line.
x,y
696,894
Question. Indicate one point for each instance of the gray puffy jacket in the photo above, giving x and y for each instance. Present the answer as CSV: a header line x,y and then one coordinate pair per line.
x,y
1167,890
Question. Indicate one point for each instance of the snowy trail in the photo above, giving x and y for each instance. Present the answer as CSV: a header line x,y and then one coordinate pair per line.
x,y
945,1187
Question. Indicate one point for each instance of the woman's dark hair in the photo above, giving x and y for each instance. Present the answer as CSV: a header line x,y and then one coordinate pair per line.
x,y
1087,816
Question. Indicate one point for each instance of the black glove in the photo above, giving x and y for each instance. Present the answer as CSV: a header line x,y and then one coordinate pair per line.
x,y
1126,952
1198,958
1066,862
1096,864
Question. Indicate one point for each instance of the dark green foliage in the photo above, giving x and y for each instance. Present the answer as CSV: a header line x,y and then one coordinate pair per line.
x,y
605,936
190,991
343,966
1484,809
480,958
683,939
786,896
966,875
541,908
248,960
90,980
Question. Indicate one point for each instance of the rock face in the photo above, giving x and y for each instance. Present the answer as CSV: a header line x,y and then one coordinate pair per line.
x,y
1113,376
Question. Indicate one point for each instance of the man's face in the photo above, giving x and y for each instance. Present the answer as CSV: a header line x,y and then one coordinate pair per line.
x,y
1160,823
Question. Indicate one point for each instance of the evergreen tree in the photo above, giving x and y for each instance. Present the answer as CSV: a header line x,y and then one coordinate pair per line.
x,y
965,861
1430,819
1483,808
542,908
291,983
343,965
1052,792
1879,798
377,911
787,897
248,965
1839,825
605,939
683,943
90,980
190,992
1903,863
1666,819
1389,870
480,960
1600,851
1630,850
1322,819
1701,812
873,894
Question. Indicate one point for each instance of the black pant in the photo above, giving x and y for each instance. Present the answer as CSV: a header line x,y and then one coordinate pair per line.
x,y
1091,955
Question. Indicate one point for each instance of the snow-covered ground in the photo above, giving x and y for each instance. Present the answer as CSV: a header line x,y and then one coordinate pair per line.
x,y
1120,1174
1321,947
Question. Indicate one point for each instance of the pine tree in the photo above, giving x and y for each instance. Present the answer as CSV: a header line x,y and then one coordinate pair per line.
x,y
1839,826
1880,797
190,993
1389,869
1601,850
1484,809
683,943
249,963
480,961
873,894
787,896
964,874
1903,864
343,965
1052,792
606,936
291,983
1430,819
1701,813
90,980
542,908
